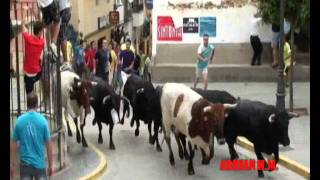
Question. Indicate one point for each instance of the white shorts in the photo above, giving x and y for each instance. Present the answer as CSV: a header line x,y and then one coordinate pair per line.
x,y
201,71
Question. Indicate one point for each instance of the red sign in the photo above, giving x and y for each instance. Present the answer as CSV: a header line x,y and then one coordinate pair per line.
x,y
167,30
114,17
247,164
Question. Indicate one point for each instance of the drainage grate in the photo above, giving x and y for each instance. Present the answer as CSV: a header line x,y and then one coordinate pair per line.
x,y
300,111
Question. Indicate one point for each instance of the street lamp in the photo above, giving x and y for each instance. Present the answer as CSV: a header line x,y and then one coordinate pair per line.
x,y
280,104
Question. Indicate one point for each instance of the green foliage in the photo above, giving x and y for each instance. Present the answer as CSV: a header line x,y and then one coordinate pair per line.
x,y
296,11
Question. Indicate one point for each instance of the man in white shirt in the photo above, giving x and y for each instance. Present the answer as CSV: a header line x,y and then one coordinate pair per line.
x,y
51,18
255,41
205,55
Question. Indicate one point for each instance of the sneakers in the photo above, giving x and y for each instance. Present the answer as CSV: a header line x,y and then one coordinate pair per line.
x,y
53,48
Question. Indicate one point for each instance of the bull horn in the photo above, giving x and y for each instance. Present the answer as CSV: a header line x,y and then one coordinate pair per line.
x,y
141,90
125,98
292,114
106,99
271,118
230,106
79,84
206,109
93,83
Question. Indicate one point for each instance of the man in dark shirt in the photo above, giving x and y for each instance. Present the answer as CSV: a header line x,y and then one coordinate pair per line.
x,y
102,60
127,58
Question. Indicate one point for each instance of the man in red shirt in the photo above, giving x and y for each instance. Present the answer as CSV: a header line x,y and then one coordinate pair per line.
x,y
34,45
90,57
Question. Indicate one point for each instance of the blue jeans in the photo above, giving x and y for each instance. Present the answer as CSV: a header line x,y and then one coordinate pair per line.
x,y
27,172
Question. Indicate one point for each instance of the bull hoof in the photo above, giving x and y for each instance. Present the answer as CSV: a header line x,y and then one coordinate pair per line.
x,y
84,144
190,171
159,149
69,133
122,121
205,162
131,123
136,132
181,154
112,147
260,174
171,160
235,156
100,141
150,140
186,155
78,139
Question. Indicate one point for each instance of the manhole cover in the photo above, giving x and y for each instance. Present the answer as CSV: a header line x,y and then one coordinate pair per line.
x,y
300,111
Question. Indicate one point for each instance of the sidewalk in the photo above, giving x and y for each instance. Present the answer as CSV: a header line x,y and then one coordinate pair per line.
x,y
82,161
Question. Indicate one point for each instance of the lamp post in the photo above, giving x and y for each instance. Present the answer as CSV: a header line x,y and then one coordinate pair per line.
x,y
280,104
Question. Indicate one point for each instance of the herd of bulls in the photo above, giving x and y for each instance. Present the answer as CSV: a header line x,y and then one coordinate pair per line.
x,y
194,116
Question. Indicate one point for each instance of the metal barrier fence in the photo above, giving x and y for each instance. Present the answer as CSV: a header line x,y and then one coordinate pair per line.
x,y
48,87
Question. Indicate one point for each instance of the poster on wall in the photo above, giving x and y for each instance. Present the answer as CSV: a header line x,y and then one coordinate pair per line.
x,y
190,25
208,26
167,31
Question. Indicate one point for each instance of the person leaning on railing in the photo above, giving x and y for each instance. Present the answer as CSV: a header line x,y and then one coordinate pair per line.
x,y
34,45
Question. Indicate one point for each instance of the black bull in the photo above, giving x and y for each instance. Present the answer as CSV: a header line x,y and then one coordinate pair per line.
x,y
145,102
262,124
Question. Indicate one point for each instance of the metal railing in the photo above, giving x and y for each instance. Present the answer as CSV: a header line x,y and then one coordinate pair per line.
x,y
48,87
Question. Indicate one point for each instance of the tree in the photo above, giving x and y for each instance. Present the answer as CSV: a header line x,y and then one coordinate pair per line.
x,y
297,12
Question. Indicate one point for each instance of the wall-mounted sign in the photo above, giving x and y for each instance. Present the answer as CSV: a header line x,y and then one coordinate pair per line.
x,y
167,30
208,26
114,17
190,25
102,22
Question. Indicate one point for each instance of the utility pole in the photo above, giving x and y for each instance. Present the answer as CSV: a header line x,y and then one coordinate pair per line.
x,y
280,104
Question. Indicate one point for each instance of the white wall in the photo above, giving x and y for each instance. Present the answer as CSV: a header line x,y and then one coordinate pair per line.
x,y
232,24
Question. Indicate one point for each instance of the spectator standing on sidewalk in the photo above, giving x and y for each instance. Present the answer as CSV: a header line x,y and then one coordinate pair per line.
x,y
34,45
274,44
32,133
90,57
114,60
79,64
205,54
127,58
102,60
255,40
51,18
65,14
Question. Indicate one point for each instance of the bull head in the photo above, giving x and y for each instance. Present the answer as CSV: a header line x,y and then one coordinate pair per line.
x,y
105,99
220,114
272,118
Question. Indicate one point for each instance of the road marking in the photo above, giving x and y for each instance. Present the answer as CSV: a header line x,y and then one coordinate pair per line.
x,y
102,167
283,160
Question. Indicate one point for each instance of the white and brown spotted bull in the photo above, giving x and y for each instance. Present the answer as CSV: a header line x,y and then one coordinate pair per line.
x,y
185,111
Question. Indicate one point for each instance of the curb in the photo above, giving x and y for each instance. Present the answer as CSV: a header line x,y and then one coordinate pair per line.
x,y
95,174
283,160
101,167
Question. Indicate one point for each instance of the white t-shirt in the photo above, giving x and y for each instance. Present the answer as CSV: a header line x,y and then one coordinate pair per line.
x,y
44,3
63,4
255,23
206,54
